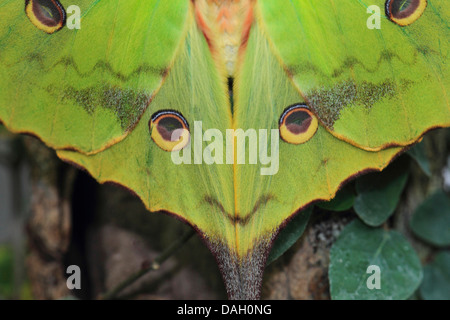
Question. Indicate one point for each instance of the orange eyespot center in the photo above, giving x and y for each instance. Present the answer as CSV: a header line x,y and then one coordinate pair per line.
x,y
405,12
169,130
298,124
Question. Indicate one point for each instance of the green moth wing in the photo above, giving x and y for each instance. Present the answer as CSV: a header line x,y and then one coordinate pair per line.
x,y
371,87
142,166
85,89
306,172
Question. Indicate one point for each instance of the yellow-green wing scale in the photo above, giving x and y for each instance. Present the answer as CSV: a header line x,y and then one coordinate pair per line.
x,y
86,89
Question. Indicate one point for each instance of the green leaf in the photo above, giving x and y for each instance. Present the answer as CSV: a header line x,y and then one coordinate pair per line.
x,y
417,152
378,193
436,278
431,220
6,271
344,200
4,133
290,234
359,247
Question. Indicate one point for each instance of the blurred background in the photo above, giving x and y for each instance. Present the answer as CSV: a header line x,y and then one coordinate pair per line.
x,y
53,215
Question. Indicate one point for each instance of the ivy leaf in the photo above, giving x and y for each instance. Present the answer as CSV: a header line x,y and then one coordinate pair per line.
x,y
379,193
343,200
436,278
290,234
6,271
4,133
431,220
417,152
359,247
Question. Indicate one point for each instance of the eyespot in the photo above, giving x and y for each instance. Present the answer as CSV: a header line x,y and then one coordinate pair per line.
x,y
405,12
169,130
47,15
298,124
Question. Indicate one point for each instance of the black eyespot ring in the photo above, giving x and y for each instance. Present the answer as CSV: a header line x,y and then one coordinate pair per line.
x,y
169,130
297,124
47,15
405,12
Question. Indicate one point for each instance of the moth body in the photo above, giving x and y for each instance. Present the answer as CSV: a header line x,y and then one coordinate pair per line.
x,y
226,25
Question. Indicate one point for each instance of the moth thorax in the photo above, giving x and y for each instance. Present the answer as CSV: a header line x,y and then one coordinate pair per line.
x,y
226,26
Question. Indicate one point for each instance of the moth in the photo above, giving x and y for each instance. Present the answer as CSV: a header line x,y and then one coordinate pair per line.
x,y
302,82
